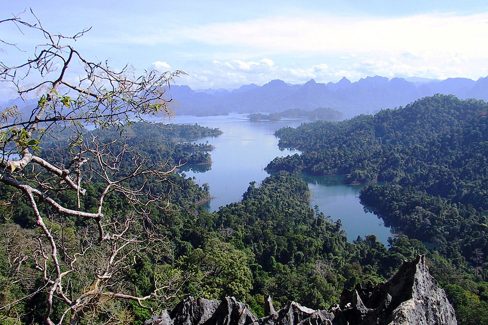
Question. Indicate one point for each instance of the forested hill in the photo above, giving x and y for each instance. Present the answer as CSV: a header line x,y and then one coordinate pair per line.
x,y
426,165
438,144
269,243
158,142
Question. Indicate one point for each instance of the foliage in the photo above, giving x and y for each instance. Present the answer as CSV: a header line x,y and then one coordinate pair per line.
x,y
435,147
218,270
427,173
88,213
96,227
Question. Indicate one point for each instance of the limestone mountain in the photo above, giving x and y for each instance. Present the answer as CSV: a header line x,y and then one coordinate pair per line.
x,y
367,95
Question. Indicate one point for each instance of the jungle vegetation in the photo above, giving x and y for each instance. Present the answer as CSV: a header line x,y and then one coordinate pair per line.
x,y
426,170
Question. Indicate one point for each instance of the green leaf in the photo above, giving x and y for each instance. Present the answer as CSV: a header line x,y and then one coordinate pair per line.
x,y
42,101
66,100
33,142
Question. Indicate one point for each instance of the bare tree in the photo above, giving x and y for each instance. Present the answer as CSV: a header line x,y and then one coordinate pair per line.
x,y
72,92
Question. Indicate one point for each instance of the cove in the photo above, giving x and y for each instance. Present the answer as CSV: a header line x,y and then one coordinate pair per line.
x,y
341,201
242,152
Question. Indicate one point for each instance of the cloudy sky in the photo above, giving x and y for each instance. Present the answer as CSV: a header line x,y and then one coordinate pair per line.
x,y
224,44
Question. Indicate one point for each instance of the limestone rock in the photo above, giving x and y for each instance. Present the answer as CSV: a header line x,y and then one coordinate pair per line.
x,y
294,313
231,312
411,296
269,309
428,303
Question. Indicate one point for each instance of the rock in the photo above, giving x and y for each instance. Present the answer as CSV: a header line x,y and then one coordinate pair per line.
x,y
232,312
427,303
294,313
268,307
411,296
193,311
188,312
163,319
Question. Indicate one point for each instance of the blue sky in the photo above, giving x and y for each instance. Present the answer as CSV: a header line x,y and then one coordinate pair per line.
x,y
224,44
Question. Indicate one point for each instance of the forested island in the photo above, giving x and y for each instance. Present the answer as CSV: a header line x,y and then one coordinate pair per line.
x,y
318,114
173,144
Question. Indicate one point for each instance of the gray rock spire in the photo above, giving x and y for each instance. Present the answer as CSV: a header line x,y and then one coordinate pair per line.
x,y
411,296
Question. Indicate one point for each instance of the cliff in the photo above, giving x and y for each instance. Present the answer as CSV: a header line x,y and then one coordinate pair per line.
x,y
411,296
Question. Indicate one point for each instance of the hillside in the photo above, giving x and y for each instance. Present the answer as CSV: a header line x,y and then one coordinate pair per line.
x,y
426,166
411,296
270,243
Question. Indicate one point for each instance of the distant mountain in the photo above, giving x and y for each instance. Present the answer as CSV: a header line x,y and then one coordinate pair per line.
x,y
367,95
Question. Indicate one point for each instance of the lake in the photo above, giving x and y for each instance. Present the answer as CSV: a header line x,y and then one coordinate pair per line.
x,y
242,152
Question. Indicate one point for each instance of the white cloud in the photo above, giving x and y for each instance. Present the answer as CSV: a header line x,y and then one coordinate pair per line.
x,y
236,72
319,71
421,34
161,66
248,66
326,48
430,45
230,73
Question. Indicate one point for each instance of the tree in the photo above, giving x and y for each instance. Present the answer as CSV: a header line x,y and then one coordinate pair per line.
x,y
72,92
218,270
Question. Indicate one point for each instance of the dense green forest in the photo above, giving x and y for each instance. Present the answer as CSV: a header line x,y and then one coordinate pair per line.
x,y
153,144
100,225
425,166
437,144
270,243
173,144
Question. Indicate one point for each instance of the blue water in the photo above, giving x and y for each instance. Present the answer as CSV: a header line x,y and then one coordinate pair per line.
x,y
242,152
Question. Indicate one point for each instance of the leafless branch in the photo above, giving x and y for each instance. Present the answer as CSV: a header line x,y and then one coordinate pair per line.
x,y
100,96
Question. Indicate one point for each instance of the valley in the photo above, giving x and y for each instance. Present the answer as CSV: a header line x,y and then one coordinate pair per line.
x,y
242,152
200,163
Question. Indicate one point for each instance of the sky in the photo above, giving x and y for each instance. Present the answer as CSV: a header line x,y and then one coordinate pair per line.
x,y
226,44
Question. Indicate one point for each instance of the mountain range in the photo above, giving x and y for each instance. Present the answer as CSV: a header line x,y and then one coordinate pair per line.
x,y
367,95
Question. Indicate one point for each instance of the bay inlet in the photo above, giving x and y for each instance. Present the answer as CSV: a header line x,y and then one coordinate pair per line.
x,y
243,151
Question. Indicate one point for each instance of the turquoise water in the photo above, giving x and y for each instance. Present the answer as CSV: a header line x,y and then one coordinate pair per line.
x,y
242,152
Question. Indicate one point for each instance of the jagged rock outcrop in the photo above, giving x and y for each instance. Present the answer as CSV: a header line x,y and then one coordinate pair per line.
x,y
411,296
203,311
294,313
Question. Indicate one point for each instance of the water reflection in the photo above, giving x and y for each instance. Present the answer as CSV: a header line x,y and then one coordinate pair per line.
x,y
341,201
242,152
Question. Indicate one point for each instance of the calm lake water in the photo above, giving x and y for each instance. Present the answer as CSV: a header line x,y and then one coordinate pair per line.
x,y
242,152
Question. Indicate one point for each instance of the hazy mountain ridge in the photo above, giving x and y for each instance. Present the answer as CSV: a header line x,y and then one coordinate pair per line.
x,y
367,95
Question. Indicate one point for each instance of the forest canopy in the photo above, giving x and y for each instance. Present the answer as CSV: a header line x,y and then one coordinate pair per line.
x,y
426,163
